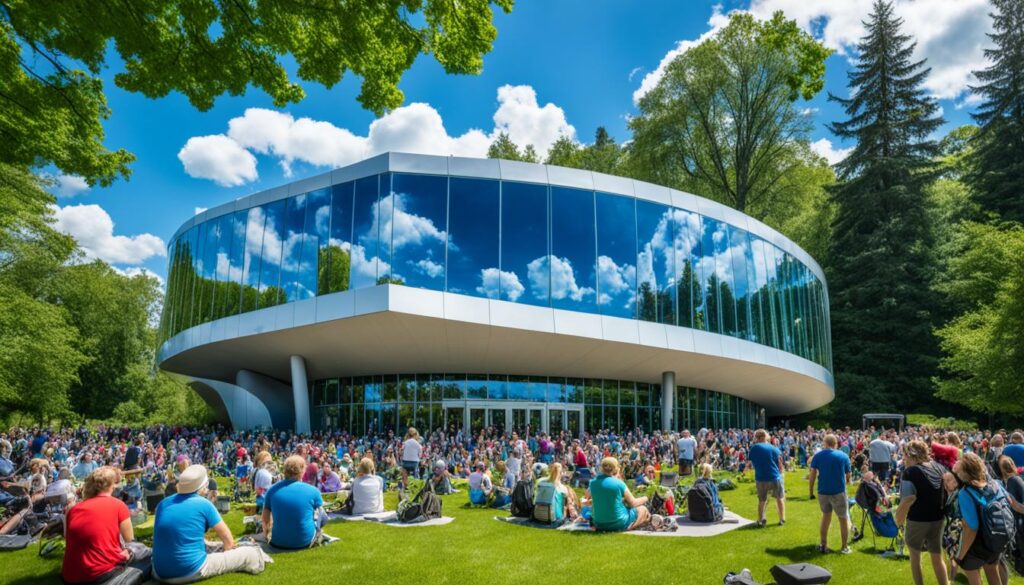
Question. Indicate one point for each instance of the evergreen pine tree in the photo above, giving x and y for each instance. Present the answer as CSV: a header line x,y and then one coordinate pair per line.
x,y
881,263
998,173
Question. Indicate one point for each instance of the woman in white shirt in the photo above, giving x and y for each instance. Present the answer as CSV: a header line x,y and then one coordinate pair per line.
x,y
412,450
367,490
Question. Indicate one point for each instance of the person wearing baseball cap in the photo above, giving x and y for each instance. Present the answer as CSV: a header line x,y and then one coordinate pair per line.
x,y
179,548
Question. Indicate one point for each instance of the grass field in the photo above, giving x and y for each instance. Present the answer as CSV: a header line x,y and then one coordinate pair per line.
x,y
476,550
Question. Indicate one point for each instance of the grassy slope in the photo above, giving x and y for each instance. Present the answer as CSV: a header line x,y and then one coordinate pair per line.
x,y
475,549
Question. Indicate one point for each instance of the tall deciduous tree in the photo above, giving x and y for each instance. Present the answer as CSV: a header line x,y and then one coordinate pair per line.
x,y
52,52
881,264
724,121
983,348
503,147
998,177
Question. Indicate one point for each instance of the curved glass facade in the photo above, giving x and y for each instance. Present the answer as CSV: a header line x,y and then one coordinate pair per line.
x,y
474,401
537,244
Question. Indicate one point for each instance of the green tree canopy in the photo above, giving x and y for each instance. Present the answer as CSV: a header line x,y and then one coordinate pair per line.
x,y
724,121
503,147
51,54
983,348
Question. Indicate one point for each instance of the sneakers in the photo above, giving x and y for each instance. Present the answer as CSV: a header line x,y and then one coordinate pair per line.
x,y
845,550
821,548
762,523
782,522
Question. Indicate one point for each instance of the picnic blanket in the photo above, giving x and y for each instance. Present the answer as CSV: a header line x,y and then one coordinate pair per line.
x,y
389,519
730,522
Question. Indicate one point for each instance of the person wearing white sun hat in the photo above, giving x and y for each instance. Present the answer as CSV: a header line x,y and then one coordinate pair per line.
x,y
179,548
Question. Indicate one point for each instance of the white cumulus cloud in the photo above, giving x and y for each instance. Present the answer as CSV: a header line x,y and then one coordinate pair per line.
x,y
826,149
417,128
93,229
430,268
950,34
67,186
562,279
494,283
139,270
218,158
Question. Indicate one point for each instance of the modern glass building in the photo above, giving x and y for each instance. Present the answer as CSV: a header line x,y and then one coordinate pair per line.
x,y
433,291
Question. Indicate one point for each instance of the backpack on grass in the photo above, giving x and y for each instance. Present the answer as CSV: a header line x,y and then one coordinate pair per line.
x,y
700,504
424,506
522,499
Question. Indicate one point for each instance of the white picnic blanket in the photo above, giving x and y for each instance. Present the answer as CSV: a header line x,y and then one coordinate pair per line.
x,y
730,522
391,519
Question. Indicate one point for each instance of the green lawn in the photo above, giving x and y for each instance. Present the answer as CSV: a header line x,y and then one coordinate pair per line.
x,y
475,550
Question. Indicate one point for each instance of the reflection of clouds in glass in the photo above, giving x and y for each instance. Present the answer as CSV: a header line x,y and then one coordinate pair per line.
x,y
563,279
430,268
758,247
494,282
364,266
645,266
613,280
322,218
405,228
687,239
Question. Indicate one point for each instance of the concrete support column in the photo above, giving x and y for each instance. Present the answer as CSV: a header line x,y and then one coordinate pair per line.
x,y
300,394
668,399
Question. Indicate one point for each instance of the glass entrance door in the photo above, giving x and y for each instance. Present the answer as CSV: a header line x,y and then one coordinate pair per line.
x,y
536,421
556,421
572,422
519,420
477,420
454,419
496,419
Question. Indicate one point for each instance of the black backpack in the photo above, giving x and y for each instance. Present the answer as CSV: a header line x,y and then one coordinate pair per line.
x,y
998,526
522,499
700,504
425,505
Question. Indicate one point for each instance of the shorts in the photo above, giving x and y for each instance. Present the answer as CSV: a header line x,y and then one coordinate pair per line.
x,y
972,561
838,503
770,489
410,466
881,470
631,516
924,535
685,466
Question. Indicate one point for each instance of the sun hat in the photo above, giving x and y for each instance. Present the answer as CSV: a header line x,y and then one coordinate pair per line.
x,y
192,479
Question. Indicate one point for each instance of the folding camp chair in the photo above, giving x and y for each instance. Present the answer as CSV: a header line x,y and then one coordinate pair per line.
x,y
882,523
669,479
243,483
582,477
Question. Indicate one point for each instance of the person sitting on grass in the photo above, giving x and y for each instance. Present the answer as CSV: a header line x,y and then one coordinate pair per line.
x,y
264,477
179,546
614,507
330,482
553,501
503,492
441,479
480,485
294,508
95,530
367,489
647,477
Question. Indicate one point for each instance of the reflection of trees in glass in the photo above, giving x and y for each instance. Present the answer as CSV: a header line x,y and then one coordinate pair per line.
x,y
273,295
333,264
691,309
390,280
648,310
712,305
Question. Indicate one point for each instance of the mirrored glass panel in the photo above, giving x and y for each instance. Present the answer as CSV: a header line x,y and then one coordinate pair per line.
x,y
686,246
524,275
473,236
366,235
335,257
251,259
573,257
418,226
616,255
655,264
270,289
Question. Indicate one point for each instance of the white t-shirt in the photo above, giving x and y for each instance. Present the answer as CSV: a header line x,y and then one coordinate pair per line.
x,y
513,467
263,480
411,450
368,491
686,446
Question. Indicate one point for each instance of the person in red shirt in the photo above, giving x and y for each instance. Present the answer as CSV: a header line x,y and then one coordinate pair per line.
x,y
948,453
94,531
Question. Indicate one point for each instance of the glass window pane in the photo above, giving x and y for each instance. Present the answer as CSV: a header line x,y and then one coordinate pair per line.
x,y
335,256
713,244
190,304
476,386
171,300
270,259
251,261
419,220
473,236
518,388
739,246
573,256
497,387
655,263
366,227
524,250
207,270
291,252
616,255
687,251
538,388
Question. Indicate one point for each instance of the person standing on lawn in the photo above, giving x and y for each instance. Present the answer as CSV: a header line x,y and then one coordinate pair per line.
x,y
831,469
686,448
767,461
921,509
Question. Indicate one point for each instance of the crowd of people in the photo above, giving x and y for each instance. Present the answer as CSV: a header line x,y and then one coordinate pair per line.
x,y
949,490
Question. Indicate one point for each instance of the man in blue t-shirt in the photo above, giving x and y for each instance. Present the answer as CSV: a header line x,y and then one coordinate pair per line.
x,y
767,461
293,512
1015,450
686,449
831,468
179,546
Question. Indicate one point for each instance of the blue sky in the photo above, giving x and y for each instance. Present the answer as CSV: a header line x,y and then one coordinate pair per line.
x,y
582,61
